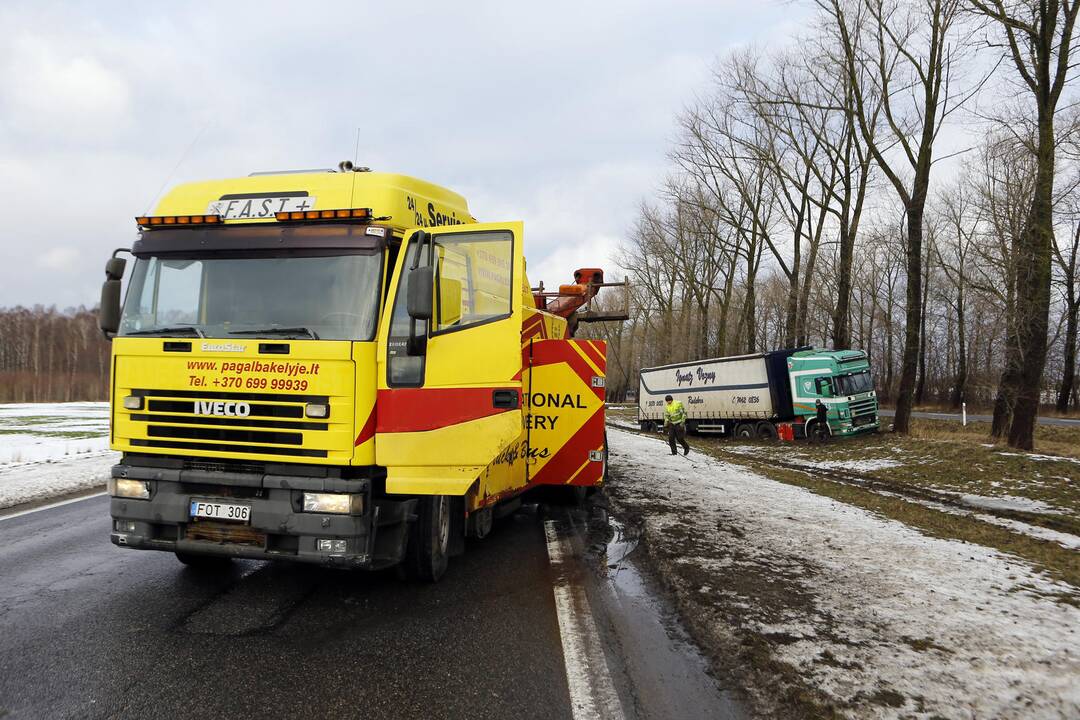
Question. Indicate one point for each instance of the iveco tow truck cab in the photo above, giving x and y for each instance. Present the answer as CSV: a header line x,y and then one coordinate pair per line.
x,y
342,368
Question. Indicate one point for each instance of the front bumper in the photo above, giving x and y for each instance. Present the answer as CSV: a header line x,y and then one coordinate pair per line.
x,y
278,530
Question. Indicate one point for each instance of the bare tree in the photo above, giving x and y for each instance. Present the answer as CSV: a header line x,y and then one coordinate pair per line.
x,y
901,54
1037,39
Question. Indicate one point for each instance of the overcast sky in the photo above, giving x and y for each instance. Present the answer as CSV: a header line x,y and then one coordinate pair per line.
x,y
556,113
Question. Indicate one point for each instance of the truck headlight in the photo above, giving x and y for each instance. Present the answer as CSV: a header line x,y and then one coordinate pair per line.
x,y
133,402
844,412
336,503
137,489
317,410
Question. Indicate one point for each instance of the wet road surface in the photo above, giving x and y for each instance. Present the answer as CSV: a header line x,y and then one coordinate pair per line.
x,y
89,630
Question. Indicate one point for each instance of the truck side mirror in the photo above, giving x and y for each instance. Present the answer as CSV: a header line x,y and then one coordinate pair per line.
x,y
421,298
109,310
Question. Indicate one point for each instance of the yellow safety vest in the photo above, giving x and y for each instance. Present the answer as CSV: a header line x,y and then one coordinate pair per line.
x,y
674,413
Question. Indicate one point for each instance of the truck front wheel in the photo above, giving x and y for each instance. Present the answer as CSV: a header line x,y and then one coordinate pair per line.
x,y
428,549
203,562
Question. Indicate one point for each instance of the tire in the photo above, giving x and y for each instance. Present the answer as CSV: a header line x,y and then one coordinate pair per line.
x,y
482,522
767,431
203,562
815,433
745,431
428,551
576,494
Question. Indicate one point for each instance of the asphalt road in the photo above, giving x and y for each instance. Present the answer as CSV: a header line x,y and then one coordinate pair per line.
x,y
89,630
1065,422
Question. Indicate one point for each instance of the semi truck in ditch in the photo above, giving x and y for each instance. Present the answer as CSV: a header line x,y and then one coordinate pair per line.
x,y
748,396
339,367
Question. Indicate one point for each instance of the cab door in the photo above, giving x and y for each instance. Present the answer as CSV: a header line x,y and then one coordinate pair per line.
x,y
449,399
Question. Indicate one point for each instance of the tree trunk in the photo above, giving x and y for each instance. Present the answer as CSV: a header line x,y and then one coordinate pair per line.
x,y
841,321
1033,279
960,381
1068,379
913,319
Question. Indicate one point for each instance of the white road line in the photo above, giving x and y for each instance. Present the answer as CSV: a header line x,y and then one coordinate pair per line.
x,y
592,692
50,506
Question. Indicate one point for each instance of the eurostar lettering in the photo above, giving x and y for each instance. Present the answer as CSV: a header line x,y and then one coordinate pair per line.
x,y
229,409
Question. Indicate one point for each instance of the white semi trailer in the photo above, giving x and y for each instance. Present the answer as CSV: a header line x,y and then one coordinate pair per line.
x,y
747,395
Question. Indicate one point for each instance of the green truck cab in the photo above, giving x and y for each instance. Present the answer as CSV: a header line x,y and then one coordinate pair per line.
x,y
841,379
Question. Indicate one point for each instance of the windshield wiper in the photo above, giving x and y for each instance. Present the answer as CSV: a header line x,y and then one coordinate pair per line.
x,y
170,331
278,331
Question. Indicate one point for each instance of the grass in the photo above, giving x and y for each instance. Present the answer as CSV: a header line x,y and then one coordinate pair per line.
x,y
1059,562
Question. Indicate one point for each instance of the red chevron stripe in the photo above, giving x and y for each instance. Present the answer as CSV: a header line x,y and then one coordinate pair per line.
x,y
368,430
575,452
420,409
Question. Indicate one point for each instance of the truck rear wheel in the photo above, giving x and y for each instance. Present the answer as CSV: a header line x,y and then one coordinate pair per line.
x,y
744,431
766,430
428,551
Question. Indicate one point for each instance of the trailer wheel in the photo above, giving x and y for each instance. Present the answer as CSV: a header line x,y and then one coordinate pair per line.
x,y
766,430
428,549
744,431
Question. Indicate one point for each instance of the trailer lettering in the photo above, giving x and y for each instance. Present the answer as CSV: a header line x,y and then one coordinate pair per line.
x,y
684,377
706,377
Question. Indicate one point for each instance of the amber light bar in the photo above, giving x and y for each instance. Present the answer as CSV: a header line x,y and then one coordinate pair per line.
x,y
172,220
343,214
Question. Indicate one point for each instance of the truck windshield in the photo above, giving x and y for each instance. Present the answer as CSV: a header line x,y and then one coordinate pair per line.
x,y
855,383
330,297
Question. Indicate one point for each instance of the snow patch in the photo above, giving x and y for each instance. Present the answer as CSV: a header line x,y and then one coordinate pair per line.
x,y
50,449
958,630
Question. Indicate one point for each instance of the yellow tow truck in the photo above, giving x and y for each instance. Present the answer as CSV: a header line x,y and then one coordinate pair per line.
x,y
340,367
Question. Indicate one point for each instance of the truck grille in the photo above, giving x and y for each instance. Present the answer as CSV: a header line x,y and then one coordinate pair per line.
x,y
272,425
864,407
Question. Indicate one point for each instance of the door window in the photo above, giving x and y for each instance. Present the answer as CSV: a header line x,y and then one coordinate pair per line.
x,y
473,279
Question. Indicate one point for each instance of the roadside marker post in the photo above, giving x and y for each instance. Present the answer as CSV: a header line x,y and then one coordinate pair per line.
x,y
963,412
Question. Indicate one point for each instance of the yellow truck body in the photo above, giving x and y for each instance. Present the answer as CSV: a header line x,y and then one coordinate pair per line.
x,y
271,356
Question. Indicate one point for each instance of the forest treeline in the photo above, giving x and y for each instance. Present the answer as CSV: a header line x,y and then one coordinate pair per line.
x,y
47,355
901,178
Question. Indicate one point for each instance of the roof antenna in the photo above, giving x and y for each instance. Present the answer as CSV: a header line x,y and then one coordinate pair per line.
x,y
183,156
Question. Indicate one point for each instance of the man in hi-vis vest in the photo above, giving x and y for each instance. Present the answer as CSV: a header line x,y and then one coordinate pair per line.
x,y
675,424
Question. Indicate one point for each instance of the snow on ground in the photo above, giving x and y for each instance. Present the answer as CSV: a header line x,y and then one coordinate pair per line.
x,y
1008,502
1041,458
794,458
30,482
50,449
888,622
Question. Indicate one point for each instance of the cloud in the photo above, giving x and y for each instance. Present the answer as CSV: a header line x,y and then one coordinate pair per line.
x,y
559,114
48,90
60,259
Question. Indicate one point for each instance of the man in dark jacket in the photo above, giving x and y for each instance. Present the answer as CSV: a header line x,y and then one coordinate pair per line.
x,y
821,425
